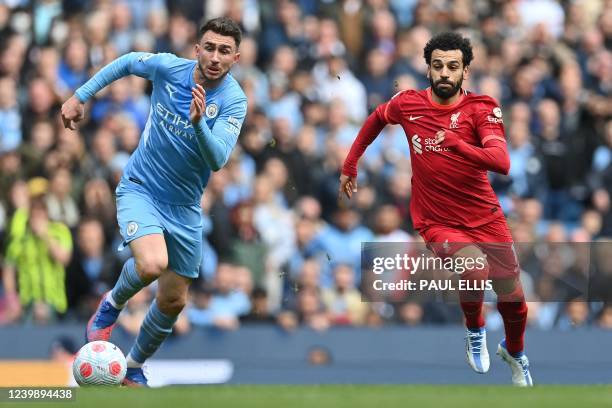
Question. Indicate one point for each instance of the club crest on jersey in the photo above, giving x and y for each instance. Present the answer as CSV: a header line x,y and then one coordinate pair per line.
x,y
132,227
212,110
454,120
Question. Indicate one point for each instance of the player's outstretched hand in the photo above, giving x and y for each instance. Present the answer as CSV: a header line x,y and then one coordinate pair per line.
x,y
348,186
198,103
73,111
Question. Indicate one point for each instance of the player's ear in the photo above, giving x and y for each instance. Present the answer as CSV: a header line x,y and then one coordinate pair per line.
x,y
428,72
197,50
237,57
466,73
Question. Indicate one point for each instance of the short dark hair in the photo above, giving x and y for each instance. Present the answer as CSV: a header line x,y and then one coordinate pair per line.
x,y
224,26
449,41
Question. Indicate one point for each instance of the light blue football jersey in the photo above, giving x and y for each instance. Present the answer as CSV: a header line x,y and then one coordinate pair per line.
x,y
174,159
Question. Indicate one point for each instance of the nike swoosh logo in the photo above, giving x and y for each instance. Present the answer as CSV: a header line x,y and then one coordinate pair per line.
x,y
415,117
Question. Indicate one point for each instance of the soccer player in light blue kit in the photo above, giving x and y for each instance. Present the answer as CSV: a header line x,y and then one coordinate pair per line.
x,y
197,110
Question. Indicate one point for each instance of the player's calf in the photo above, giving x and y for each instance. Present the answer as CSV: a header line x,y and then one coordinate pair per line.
x,y
171,305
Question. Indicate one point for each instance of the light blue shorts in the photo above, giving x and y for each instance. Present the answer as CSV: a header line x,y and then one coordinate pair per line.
x,y
140,214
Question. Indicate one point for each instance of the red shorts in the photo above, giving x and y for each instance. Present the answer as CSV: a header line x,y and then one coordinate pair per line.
x,y
494,240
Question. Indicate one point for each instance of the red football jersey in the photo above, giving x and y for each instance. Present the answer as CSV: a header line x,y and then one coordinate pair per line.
x,y
447,189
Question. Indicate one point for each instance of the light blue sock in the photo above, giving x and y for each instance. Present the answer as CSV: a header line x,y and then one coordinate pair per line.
x,y
154,330
128,283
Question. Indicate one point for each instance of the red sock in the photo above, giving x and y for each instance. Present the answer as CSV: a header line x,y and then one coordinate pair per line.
x,y
513,310
473,315
471,301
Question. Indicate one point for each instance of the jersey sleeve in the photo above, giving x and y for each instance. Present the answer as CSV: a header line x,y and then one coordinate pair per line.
x,y
147,65
142,64
216,144
390,111
489,122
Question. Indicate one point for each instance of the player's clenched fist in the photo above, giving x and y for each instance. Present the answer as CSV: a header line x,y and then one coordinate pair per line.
x,y
198,103
73,111
446,138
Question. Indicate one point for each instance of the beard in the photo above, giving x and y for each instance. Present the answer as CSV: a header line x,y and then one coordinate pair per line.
x,y
201,70
445,93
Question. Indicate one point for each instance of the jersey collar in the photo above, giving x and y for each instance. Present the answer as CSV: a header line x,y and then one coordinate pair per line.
x,y
438,106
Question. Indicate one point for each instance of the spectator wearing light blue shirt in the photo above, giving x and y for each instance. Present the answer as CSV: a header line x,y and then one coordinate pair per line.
x,y
10,118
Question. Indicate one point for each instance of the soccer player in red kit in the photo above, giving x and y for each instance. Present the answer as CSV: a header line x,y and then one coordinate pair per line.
x,y
455,137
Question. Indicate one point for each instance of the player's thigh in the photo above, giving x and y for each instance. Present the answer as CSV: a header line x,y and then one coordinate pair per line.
x,y
141,228
496,242
183,226
151,255
449,242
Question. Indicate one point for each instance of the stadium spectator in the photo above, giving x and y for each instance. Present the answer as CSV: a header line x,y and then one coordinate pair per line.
x,y
334,79
309,310
274,224
411,314
38,251
343,301
259,309
98,203
60,204
10,117
387,226
247,247
222,306
605,318
341,242
92,271
575,316
72,71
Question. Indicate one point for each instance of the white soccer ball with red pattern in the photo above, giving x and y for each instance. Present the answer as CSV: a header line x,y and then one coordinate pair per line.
x,y
99,363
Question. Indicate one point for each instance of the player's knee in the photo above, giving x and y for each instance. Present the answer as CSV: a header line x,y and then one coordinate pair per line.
x,y
504,286
509,290
150,266
171,304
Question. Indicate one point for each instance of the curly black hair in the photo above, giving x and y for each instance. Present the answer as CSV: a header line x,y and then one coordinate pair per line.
x,y
449,41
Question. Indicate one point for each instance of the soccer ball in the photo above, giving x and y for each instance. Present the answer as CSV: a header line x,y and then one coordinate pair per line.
x,y
99,363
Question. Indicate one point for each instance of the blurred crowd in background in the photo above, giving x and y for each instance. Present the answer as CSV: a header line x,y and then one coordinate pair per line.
x,y
278,248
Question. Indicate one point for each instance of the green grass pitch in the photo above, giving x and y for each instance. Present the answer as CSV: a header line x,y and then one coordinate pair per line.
x,y
339,396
